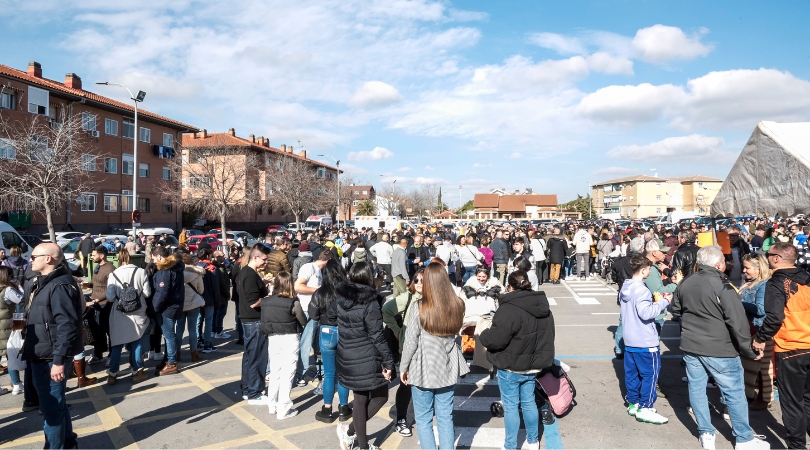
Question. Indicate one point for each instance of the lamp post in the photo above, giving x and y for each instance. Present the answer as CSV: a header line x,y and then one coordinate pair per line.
x,y
135,137
337,166
590,202
459,202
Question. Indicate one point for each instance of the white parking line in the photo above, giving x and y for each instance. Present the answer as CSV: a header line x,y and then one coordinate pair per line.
x,y
587,301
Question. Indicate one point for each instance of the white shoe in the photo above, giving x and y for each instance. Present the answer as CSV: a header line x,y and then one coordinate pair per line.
x,y
649,415
18,389
259,401
535,446
753,444
707,441
292,412
346,441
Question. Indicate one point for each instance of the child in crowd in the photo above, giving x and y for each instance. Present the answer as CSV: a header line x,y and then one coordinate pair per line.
x,y
642,361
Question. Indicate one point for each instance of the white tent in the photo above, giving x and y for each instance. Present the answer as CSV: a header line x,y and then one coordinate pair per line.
x,y
771,175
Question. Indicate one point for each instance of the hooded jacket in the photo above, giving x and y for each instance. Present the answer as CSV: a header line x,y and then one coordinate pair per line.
x,y
18,266
638,314
54,324
277,262
557,249
787,310
303,258
193,279
169,289
713,321
521,337
362,351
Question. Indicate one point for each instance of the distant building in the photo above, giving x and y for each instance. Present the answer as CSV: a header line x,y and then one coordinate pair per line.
x,y
352,196
500,205
651,196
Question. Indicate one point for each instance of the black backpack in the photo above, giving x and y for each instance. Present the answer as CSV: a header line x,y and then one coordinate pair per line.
x,y
129,299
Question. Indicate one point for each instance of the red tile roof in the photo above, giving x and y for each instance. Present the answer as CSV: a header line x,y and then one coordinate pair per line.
x,y
511,203
60,87
485,201
196,139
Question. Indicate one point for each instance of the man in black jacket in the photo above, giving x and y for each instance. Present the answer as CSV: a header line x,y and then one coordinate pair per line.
x,y
52,337
86,246
167,302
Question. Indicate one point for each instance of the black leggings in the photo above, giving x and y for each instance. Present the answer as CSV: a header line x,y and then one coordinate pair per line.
x,y
154,339
366,405
403,399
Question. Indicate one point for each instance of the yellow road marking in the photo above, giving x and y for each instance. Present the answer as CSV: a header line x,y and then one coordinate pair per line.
x,y
236,409
172,415
393,439
111,420
41,437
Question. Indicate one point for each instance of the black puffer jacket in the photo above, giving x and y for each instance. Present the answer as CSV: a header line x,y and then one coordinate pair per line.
x,y
685,259
557,248
522,333
362,351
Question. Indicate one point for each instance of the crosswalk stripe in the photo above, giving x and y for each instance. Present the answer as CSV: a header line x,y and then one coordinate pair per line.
x,y
473,403
552,301
587,301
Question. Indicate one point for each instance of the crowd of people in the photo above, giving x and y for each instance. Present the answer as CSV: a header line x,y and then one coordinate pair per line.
x,y
313,304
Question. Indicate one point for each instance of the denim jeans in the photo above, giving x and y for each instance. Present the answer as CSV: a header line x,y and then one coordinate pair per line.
x,y
206,315
191,318
728,375
135,356
468,272
58,426
15,376
219,316
254,360
426,402
306,346
618,338
168,326
517,388
329,341
239,329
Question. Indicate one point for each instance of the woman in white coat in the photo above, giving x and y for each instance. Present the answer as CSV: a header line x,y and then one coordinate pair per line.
x,y
127,328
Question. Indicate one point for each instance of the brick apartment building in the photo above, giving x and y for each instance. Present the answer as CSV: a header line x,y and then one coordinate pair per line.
x,y
257,219
352,196
27,95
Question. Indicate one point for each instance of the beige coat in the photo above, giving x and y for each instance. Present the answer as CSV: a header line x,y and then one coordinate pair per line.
x,y
193,276
126,328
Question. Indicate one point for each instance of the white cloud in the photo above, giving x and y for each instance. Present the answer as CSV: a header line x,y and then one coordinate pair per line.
x,y
733,98
614,171
403,169
479,165
376,154
606,63
351,168
515,155
564,45
660,44
482,146
447,68
430,168
691,149
375,94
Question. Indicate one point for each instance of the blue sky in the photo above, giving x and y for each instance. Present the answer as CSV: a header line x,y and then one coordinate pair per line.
x,y
482,94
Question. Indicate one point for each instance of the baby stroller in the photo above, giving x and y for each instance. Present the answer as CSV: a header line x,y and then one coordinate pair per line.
x,y
554,393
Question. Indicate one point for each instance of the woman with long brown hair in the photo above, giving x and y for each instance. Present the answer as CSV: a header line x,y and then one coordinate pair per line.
x,y
431,359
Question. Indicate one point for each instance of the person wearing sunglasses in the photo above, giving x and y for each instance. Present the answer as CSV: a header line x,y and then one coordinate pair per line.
x,y
54,337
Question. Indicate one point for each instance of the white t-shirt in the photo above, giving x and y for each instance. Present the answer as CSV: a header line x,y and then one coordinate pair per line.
x,y
312,273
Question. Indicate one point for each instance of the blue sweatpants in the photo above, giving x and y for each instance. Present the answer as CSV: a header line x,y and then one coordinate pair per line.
x,y
641,369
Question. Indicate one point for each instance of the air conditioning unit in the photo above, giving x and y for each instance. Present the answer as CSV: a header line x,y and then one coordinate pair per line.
x,y
95,133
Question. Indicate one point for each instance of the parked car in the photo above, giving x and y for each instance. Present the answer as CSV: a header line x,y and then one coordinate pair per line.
x,y
31,239
69,249
276,229
63,236
195,241
194,232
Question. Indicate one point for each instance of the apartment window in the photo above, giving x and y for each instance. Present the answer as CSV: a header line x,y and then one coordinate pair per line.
x,y
41,152
126,200
87,201
143,205
365,192
631,198
198,181
89,162
145,135
185,159
167,140
111,127
167,173
184,183
127,164
38,101
129,128
143,170
658,185
88,121
356,203
700,198
7,150
270,210
658,210
320,173
701,185
110,203
110,165
268,187
7,101
658,197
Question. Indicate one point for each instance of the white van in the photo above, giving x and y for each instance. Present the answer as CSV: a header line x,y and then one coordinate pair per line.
x,y
314,222
9,237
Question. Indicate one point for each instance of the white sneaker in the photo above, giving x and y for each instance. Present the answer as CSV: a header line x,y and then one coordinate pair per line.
x,y
346,441
535,446
292,412
259,401
95,360
707,441
753,444
648,415
18,389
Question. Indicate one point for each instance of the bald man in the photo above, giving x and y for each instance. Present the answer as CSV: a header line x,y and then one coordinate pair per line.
x,y
54,337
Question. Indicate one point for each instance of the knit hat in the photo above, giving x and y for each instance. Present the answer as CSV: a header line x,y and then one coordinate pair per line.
x,y
303,246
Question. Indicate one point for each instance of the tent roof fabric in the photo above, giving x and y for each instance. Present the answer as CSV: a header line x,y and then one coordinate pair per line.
x,y
770,175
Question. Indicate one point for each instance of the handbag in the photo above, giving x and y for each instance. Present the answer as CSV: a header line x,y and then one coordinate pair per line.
x,y
554,385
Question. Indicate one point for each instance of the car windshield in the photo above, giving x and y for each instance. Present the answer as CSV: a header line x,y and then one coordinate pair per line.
x,y
171,240
70,247
313,224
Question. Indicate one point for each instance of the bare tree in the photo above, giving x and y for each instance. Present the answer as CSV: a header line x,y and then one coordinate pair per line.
x,y
296,188
392,198
424,198
347,195
44,165
218,180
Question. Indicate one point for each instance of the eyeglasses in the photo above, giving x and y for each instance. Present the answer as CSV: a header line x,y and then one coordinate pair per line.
x,y
33,257
768,255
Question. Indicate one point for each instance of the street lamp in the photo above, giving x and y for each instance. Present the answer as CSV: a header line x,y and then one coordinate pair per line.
x,y
590,202
337,165
459,200
135,136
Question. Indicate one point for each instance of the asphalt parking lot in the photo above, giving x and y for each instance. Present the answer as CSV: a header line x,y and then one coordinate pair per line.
x,y
201,406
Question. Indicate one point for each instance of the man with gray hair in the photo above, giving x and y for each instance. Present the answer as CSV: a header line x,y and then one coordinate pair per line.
x,y
621,272
714,334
